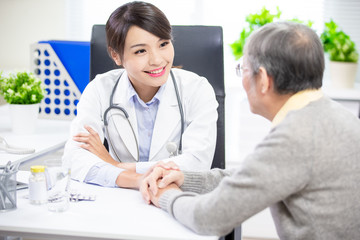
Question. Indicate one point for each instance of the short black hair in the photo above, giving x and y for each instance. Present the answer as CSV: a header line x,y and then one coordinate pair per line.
x,y
144,15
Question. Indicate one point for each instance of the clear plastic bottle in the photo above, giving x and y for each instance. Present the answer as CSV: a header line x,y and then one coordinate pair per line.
x,y
37,185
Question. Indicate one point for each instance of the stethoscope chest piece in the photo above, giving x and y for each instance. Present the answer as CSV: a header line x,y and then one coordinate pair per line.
x,y
171,147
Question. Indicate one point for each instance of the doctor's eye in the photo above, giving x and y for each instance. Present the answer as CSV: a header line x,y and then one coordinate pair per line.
x,y
163,44
140,51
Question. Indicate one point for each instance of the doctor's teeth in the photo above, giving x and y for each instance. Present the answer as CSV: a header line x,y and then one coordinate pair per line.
x,y
156,71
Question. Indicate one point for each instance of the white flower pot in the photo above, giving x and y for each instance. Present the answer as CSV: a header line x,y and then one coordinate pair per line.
x,y
343,74
24,117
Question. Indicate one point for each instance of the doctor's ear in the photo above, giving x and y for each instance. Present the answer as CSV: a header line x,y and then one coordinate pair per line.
x,y
115,56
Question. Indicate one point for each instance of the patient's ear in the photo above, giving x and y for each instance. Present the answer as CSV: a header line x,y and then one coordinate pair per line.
x,y
115,56
265,80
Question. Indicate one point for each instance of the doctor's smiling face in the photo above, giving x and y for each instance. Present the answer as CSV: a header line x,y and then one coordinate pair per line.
x,y
147,60
139,38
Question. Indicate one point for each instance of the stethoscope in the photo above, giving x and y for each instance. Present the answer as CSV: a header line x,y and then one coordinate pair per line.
x,y
171,146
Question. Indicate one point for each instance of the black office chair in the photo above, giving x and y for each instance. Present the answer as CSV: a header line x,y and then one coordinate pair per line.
x,y
198,49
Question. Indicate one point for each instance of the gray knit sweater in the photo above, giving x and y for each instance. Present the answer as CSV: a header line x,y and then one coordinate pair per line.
x,y
307,170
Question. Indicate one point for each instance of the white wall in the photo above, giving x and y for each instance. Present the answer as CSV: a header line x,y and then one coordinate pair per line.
x,y
23,22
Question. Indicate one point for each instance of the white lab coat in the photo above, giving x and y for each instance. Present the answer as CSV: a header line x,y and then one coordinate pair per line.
x,y
199,138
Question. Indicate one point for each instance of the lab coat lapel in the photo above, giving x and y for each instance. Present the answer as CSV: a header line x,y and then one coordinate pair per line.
x,y
167,118
121,98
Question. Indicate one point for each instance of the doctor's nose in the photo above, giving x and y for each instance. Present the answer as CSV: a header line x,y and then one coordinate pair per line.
x,y
155,58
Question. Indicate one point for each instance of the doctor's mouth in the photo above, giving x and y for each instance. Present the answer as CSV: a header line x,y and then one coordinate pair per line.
x,y
157,72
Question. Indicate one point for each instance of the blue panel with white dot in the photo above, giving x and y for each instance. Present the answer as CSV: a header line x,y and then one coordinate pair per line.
x,y
62,94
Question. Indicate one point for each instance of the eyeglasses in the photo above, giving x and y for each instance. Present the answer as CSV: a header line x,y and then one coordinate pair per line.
x,y
240,69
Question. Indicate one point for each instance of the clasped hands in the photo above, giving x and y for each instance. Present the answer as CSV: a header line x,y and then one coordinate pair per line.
x,y
159,179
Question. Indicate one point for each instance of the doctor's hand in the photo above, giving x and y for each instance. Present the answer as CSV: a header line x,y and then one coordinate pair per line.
x,y
92,142
159,179
165,165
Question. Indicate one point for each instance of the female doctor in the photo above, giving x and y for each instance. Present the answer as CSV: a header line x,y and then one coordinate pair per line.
x,y
147,111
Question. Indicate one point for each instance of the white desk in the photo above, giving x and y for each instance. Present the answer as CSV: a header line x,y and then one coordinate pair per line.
x,y
350,94
350,98
50,135
115,214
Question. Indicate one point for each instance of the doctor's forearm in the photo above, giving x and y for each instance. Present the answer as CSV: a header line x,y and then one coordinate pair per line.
x,y
129,179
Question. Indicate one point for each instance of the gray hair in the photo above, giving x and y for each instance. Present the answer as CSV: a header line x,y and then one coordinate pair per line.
x,y
291,53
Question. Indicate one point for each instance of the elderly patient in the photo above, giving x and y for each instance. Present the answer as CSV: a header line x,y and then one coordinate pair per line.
x,y
307,169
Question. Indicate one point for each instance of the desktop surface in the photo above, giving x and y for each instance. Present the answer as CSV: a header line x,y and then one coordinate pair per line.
x,y
115,214
50,135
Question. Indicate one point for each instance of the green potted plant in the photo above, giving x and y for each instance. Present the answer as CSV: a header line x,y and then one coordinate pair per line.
x,y
2,100
342,54
254,22
24,92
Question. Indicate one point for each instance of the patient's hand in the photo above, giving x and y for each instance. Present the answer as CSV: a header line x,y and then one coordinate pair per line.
x,y
154,198
165,165
159,179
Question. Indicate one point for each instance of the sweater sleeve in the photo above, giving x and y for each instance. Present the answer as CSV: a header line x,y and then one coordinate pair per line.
x,y
271,173
203,182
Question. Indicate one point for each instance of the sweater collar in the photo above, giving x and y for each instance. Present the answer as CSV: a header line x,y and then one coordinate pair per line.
x,y
296,102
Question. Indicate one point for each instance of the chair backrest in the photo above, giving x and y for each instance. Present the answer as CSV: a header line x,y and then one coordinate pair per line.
x,y
198,49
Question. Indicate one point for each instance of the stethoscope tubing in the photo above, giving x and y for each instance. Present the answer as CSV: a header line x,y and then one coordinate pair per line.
x,y
113,106
181,110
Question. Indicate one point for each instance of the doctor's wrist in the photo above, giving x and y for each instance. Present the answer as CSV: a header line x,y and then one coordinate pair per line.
x,y
129,179
127,166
